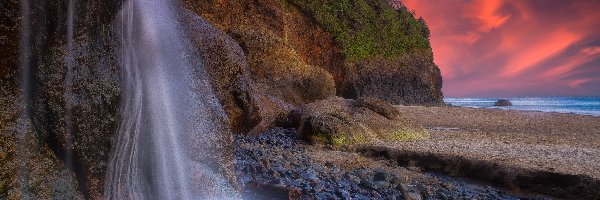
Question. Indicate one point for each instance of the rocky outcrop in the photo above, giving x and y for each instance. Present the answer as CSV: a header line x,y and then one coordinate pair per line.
x,y
268,58
408,80
76,112
357,52
282,78
340,121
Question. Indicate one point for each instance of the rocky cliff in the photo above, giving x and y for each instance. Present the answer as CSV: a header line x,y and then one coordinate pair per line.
x,y
368,47
265,58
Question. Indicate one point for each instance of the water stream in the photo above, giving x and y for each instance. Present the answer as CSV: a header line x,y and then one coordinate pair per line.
x,y
168,111
68,83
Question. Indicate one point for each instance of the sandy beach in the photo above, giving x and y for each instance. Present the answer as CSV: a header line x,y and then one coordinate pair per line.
x,y
527,150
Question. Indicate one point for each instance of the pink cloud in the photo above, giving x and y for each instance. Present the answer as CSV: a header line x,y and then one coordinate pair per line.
x,y
541,49
584,56
487,14
514,48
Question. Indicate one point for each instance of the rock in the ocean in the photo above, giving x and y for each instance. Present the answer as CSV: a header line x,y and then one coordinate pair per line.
x,y
339,121
503,102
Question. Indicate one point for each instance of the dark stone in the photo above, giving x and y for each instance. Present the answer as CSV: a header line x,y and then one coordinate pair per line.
x,y
343,194
503,102
325,196
367,184
267,191
380,175
75,114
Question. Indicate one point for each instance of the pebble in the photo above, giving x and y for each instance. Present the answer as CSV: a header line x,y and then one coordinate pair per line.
x,y
279,157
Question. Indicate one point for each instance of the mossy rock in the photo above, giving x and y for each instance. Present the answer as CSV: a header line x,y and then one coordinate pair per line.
x,y
380,107
332,128
338,122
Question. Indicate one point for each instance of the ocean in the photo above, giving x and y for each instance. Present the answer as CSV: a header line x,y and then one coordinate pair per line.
x,y
575,105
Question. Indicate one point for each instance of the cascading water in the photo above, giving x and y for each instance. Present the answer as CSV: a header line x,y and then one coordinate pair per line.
x,y
168,111
70,61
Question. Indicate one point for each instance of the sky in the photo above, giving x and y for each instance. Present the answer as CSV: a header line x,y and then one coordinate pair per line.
x,y
514,48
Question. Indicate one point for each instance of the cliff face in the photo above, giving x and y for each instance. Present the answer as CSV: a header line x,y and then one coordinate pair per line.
x,y
264,58
368,47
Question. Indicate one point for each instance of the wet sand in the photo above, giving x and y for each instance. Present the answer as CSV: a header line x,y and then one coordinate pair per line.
x,y
560,151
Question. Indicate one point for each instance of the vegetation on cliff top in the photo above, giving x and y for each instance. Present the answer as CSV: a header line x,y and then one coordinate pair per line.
x,y
368,28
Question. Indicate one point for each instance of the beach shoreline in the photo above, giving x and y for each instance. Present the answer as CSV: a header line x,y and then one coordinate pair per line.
x,y
561,104
509,147
515,154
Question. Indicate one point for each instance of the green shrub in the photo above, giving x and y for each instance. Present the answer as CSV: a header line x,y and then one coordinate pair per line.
x,y
368,28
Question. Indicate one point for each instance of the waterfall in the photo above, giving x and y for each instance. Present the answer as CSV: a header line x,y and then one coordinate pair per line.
x,y
164,143
68,83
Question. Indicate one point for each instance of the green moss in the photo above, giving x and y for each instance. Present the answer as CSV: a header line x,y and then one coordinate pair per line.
x,y
339,140
368,28
407,135
287,6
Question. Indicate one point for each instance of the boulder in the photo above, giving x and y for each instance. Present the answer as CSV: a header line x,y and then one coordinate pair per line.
x,y
503,102
339,121
273,112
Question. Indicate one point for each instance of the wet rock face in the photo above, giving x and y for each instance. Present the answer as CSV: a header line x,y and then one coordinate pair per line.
x,y
228,72
9,41
76,112
28,167
340,121
503,102
282,77
73,112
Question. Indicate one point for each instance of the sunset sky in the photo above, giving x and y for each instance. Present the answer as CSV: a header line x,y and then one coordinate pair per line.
x,y
504,48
